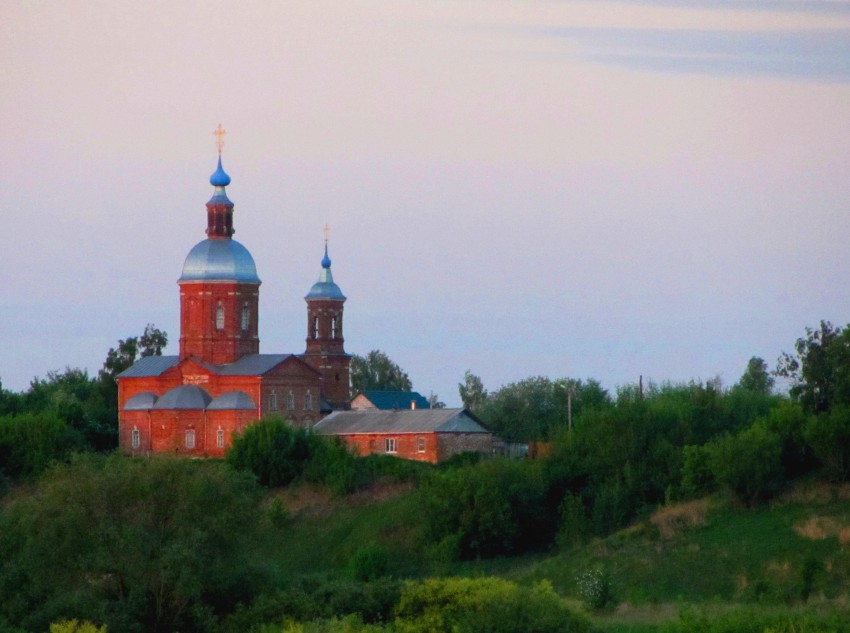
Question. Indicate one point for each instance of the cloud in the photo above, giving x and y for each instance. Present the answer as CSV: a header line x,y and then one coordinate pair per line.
x,y
821,55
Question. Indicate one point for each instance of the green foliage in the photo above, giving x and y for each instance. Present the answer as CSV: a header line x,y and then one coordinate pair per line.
x,y
472,391
75,626
272,450
748,463
828,435
536,408
756,378
744,620
697,477
369,562
594,588
820,369
152,544
486,605
495,507
377,372
30,442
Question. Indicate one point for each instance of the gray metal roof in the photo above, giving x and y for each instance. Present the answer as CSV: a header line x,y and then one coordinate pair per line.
x,y
142,401
238,400
219,259
184,397
251,365
149,366
402,421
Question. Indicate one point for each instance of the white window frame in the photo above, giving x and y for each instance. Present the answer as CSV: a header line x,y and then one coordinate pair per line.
x,y
391,445
273,401
420,444
219,317
136,438
290,401
219,437
189,441
308,401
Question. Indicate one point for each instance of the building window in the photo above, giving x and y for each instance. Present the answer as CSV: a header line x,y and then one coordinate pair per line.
x,y
315,327
308,401
246,317
219,438
390,445
333,327
190,438
219,317
290,401
273,401
137,438
420,444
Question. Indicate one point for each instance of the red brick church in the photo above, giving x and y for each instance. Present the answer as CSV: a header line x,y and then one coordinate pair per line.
x,y
194,402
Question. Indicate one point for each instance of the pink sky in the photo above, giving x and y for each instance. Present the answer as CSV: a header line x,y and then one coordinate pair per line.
x,y
582,189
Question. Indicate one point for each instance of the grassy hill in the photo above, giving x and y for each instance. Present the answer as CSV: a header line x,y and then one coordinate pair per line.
x,y
710,556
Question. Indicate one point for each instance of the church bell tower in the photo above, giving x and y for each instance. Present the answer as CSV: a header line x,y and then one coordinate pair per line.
x,y
325,351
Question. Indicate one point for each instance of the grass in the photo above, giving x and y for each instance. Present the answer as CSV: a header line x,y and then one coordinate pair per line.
x,y
791,556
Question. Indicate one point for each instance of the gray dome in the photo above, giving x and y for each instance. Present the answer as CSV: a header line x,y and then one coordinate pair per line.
x,y
142,401
184,397
233,400
219,260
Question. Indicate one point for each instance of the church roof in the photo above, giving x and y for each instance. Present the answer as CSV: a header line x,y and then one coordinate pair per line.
x,y
219,260
142,401
248,365
232,400
184,397
401,421
149,366
325,288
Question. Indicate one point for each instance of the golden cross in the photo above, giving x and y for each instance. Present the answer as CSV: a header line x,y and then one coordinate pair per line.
x,y
219,137
327,231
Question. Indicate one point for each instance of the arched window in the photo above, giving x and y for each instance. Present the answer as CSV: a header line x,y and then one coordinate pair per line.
x,y
137,438
246,317
219,437
290,401
333,327
273,401
219,317
315,327
308,401
190,438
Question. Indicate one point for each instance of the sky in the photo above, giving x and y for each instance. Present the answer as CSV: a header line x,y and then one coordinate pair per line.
x,y
601,190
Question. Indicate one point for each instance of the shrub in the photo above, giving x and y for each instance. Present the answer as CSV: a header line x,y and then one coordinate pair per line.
x,y
748,463
829,436
594,589
30,442
272,450
485,605
370,562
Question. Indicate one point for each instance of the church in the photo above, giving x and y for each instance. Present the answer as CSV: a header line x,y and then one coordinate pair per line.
x,y
193,403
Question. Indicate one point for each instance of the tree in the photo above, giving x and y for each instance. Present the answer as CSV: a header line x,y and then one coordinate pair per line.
x,y
434,401
756,378
138,545
376,372
150,343
820,369
472,391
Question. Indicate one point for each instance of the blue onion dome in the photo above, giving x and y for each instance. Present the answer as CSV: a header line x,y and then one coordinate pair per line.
x,y
325,288
219,260
219,177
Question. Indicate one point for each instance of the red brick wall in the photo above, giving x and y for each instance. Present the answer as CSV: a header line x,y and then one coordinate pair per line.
x,y
407,445
199,335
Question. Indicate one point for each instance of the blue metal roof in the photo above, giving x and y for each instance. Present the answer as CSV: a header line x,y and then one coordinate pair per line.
x,y
252,365
219,177
238,400
389,400
149,366
142,401
325,288
219,259
184,397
